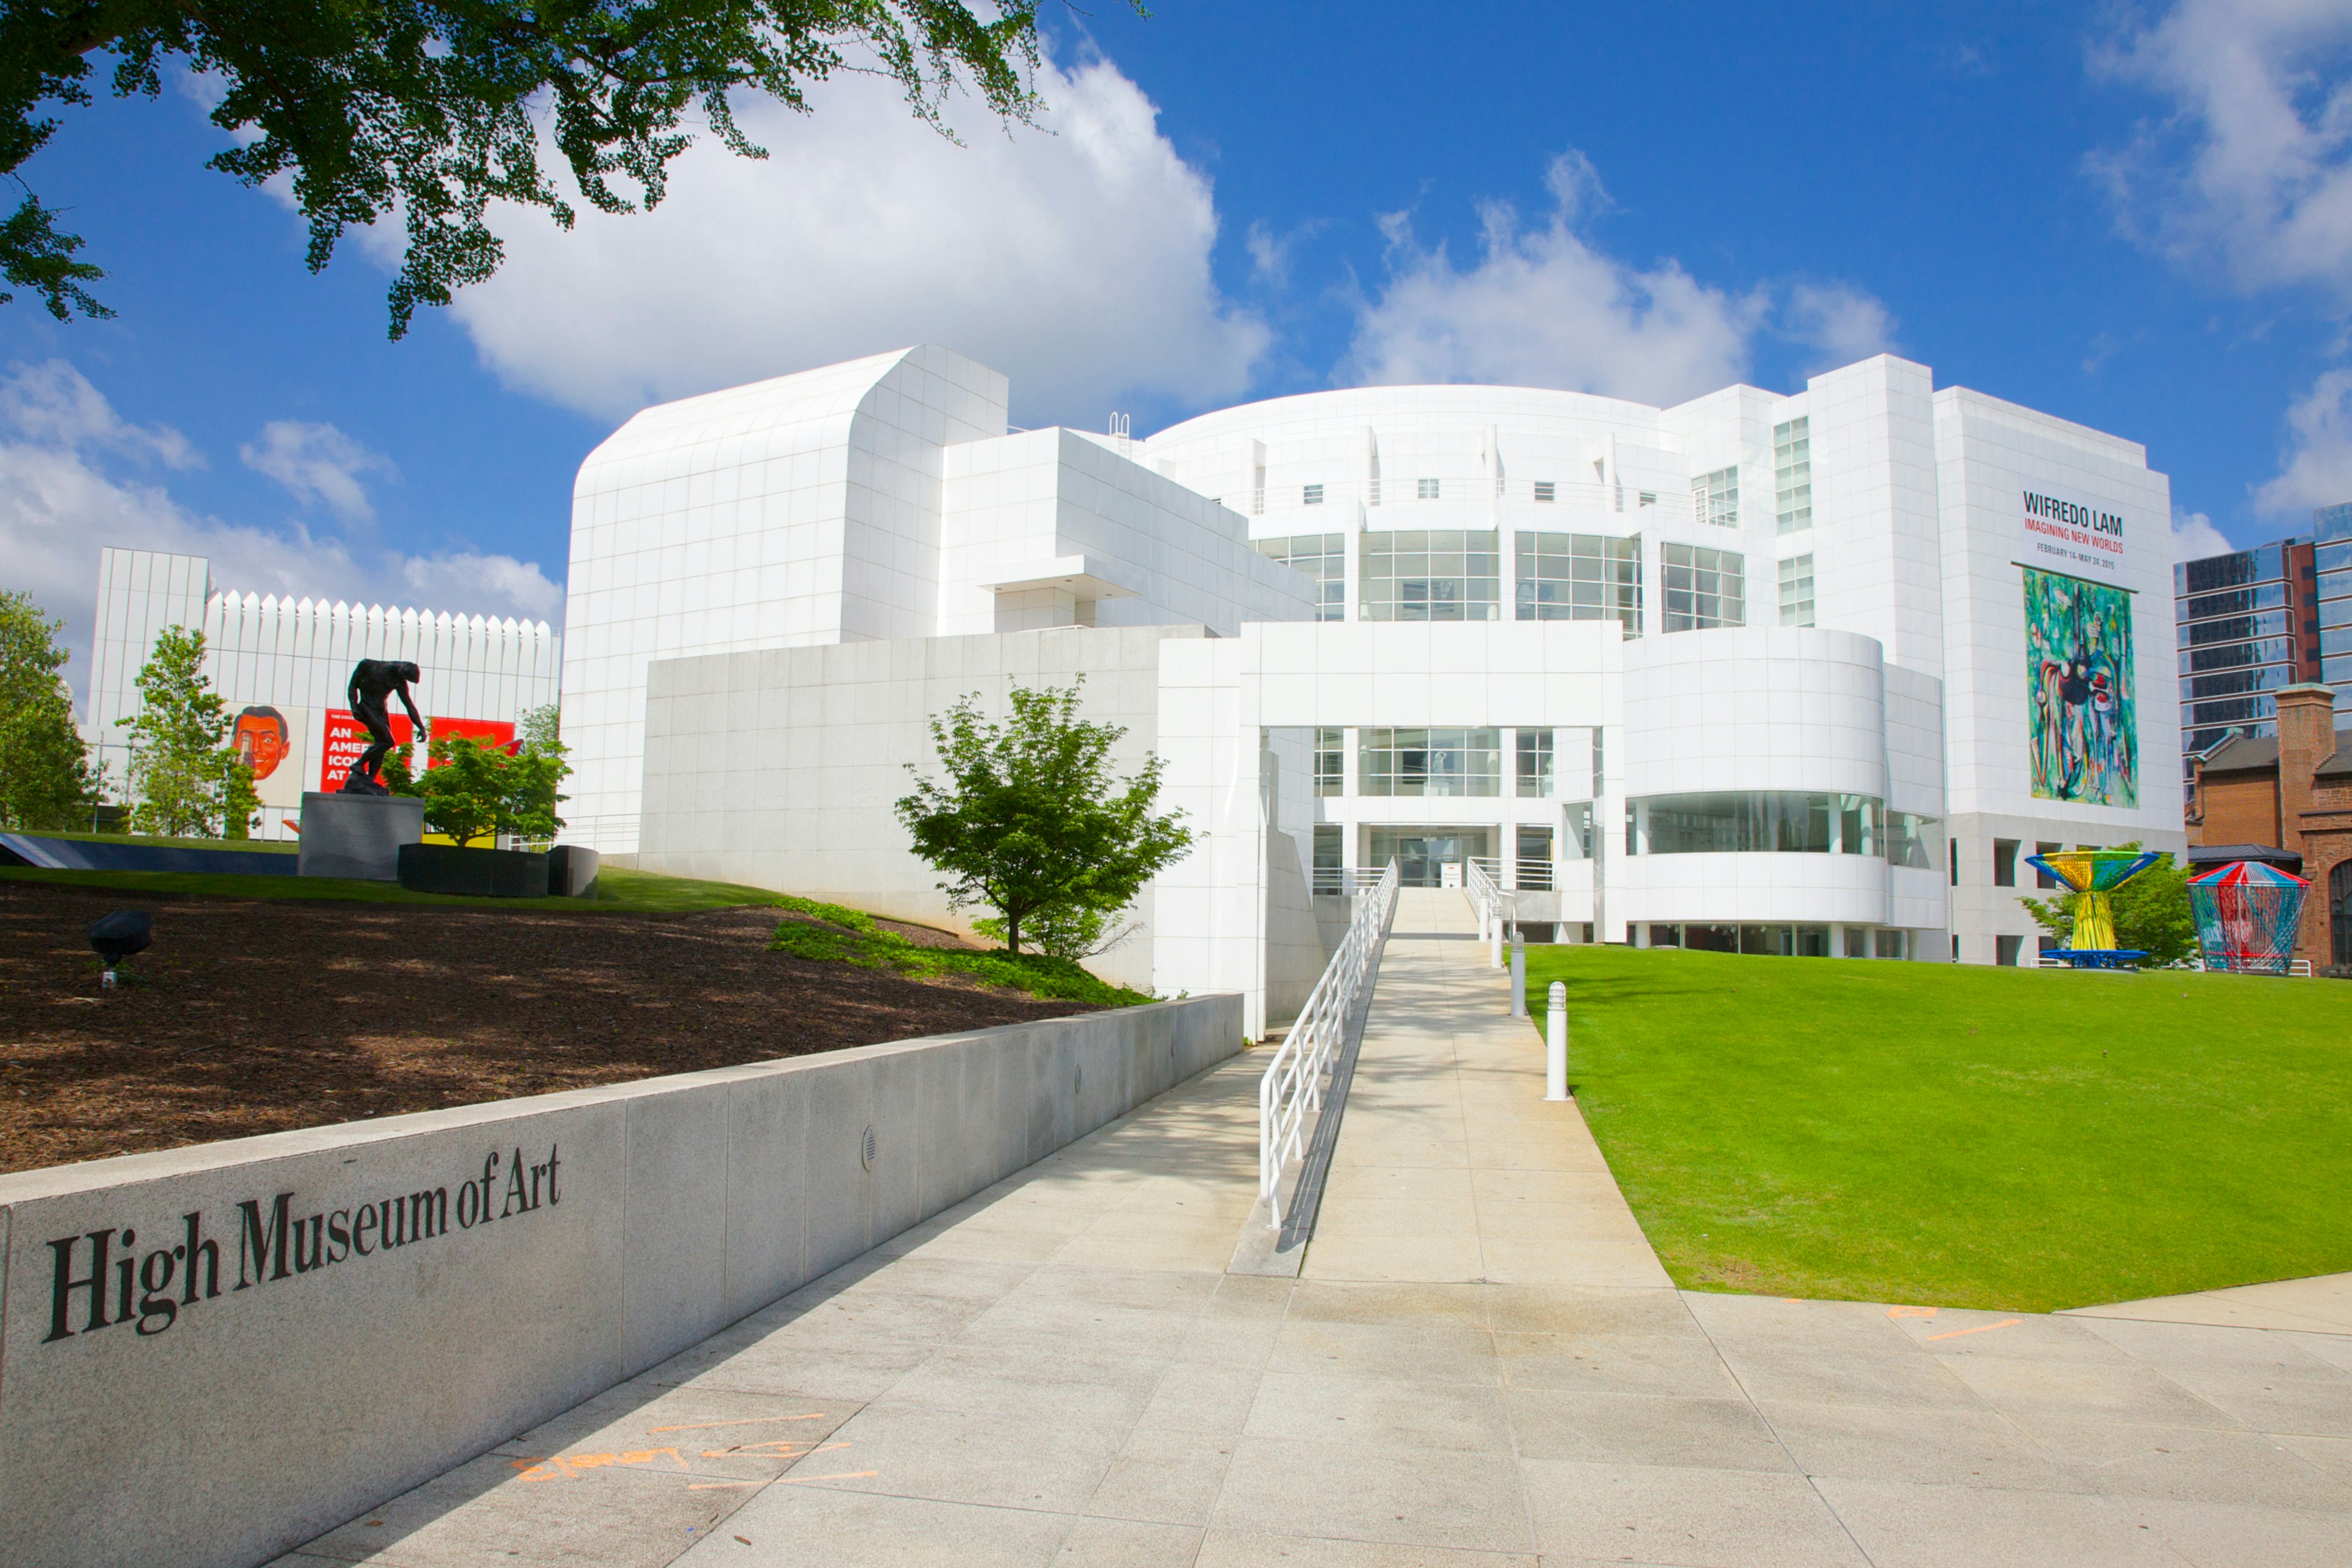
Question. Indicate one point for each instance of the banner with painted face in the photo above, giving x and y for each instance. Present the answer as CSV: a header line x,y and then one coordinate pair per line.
x,y
2084,726
270,741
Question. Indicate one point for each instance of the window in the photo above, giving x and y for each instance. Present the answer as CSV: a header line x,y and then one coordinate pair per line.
x,y
1906,841
2042,878
1747,822
1314,494
1579,577
2005,950
1330,859
1330,762
1715,497
1440,575
1545,492
2004,862
1322,556
1797,591
1577,845
1428,489
1535,764
1704,588
1857,941
1792,475
1431,762
1890,944
1534,867
1645,498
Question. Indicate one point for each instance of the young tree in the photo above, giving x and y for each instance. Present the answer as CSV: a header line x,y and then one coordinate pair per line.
x,y
185,779
2152,912
1030,819
424,111
476,791
46,779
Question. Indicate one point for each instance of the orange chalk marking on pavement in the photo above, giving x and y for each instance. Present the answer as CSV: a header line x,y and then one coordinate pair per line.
x,y
747,1421
1979,1328
566,1466
1910,1311
778,1449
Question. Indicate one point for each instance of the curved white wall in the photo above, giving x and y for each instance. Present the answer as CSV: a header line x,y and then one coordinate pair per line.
x,y
1752,708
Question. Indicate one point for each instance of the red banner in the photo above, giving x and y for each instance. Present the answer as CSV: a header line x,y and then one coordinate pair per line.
x,y
347,737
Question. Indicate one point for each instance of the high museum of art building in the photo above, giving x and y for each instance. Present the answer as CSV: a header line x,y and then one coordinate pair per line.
x,y
1804,674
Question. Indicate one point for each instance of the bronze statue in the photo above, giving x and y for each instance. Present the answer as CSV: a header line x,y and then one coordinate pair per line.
x,y
372,681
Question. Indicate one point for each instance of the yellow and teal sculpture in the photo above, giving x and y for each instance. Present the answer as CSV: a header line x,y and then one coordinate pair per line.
x,y
2094,875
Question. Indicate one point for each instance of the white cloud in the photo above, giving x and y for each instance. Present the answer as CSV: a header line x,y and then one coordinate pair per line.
x,y
2316,468
1075,262
62,498
2194,537
317,463
1544,306
54,403
1841,324
2252,168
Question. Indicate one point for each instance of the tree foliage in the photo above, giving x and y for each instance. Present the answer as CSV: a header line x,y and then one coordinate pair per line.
x,y
1030,821
428,110
46,780
2152,912
477,791
186,781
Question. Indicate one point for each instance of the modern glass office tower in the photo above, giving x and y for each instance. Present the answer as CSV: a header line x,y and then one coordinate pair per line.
x,y
2332,562
2248,623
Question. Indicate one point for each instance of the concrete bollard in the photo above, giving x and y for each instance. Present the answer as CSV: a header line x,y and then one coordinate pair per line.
x,y
1495,944
1555,1043
1519,977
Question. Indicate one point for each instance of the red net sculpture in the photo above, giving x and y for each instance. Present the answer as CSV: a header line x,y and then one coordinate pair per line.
x,y
2247,917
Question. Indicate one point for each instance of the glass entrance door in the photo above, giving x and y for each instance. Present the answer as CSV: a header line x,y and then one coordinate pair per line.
x,y
1422,853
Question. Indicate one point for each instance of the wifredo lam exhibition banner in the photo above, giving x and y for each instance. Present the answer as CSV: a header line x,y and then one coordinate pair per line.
x,y
2078,661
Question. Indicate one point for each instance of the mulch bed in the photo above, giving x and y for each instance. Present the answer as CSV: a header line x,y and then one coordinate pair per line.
x,y
253,1017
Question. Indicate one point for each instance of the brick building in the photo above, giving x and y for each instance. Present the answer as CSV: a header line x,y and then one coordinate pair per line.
x,y
2294,792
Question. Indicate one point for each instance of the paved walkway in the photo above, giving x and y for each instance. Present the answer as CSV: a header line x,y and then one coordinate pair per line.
x,y
1481,1363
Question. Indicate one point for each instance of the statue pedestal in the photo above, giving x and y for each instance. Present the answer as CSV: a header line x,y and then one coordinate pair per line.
x,y
358,836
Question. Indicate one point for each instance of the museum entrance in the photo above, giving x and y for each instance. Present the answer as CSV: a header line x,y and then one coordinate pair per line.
x,y
1422,854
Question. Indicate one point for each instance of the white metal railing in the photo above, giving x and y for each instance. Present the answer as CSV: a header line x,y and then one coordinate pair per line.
x,y
1338,880
1292,1089
1535,875
1482,883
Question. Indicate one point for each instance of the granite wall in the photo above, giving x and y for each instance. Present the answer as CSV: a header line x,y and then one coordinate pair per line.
x,y
212,1354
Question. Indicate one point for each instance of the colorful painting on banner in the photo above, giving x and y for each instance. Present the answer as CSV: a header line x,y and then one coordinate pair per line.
x,y
2078,658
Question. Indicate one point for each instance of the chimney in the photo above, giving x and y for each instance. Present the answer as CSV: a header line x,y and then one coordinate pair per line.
x,y
2307,737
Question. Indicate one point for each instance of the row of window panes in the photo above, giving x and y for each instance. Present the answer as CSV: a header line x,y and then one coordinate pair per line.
x,y
1444,576
1782,942
1738,822
1797,591
2239,569
2232,683
1792,475
1429,763
2229,710
1579,578
2231,656
2239,628
1704,588
2235,601
1437,574
1715,497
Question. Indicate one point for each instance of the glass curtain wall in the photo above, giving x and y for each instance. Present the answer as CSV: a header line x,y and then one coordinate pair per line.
x,y
1437,574
1393,762
1579,577
1792,475
1322,556
1704,588
1535,770
1748,821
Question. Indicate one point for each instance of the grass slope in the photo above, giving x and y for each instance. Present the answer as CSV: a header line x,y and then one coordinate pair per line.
x,y
618,891
2018,1139
851,936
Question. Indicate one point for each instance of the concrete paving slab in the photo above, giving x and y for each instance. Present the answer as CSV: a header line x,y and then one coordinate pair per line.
x,y
2323,1303
1059,1371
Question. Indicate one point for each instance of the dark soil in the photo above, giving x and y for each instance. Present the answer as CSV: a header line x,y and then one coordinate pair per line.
x,y
253,1016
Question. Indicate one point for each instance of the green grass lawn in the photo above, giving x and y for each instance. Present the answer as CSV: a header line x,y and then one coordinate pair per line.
x,y
618,891
2013,1138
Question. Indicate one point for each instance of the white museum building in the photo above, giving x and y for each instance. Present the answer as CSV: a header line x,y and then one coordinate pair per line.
x,y
1806,674
281,664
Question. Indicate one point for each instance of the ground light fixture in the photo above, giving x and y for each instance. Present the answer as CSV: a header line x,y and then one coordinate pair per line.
x,y
120,935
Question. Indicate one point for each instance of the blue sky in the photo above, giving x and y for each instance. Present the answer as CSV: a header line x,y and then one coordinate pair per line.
x,y
2140,218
